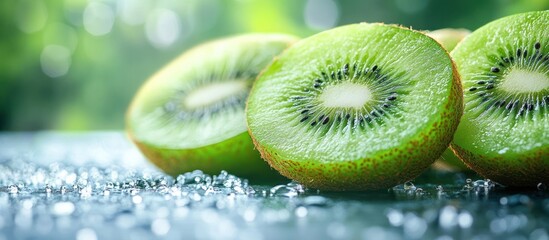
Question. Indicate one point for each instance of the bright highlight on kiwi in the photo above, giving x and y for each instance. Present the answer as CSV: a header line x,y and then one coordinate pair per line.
x,y
190,115
504,132
358,107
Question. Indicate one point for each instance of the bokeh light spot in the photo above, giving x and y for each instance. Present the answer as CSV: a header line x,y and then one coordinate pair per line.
x,y
55,60
31,15
321,14
134,12
163,28
98,18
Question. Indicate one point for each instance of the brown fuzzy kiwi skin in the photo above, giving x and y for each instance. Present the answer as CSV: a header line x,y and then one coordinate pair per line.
x,y
381,171
527,170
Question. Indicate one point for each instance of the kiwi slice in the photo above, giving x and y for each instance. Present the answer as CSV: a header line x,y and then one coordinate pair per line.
x,y
190,114
449,37
504,132
358,107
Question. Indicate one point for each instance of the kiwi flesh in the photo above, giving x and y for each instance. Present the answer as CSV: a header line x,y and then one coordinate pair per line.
x,y
357,107
190,114
449,38
504,132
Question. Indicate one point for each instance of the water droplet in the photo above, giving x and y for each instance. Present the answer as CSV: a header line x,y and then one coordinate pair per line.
x,y
541,187
468,185
283,191
295,185
133,191
63,189
163,189
86,191
48,188
409,186
13,189
209,191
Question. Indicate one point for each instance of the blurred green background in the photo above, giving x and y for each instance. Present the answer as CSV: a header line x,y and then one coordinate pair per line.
x,y
75,64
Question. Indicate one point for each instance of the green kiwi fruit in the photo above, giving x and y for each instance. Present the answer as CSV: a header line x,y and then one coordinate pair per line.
x,y
449,37
190,114
504,132
357,107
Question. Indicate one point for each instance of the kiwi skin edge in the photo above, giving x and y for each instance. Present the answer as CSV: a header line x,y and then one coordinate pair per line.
x,y
390,168
449,38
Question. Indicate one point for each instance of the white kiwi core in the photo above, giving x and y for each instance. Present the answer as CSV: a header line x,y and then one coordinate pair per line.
x,y
214,92
524,81
346,95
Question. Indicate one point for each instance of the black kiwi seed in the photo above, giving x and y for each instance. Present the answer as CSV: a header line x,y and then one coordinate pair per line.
x,y
392,98
525,53
304,119
346,69
316,85
530,107
489,86
348,116
304,111
519,52
500,103
537,45
509,106
385,105
374,68
472,89
318,81
494,69
481,82
374,114
326,120
313,123
321,117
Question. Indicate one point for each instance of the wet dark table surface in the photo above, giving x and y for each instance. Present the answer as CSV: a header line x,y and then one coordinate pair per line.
x,y
96,185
